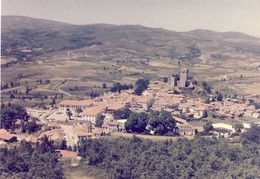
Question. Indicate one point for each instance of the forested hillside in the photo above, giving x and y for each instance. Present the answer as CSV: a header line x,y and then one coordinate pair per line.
x,y
198,158
30,161
135,158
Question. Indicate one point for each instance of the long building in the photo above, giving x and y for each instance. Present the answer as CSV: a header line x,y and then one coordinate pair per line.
x,y
74,104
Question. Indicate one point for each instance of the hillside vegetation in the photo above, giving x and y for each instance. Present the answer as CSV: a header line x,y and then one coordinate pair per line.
x,y
79,59
196,158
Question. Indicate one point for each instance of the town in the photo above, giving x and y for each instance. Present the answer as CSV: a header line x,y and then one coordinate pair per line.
x,y
130,89
71,121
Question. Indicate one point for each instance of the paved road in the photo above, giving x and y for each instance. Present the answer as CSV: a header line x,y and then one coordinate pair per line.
x,y
41,115
71,137
44,117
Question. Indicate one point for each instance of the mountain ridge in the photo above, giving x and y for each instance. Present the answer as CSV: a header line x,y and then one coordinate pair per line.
x,y
51,36
20,22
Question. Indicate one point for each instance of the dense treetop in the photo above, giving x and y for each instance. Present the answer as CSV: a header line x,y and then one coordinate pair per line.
x,y
28,161
136,158
10,114
140,86
198,158
159,122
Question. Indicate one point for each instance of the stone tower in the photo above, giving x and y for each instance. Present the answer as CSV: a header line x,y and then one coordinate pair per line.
x,y
172,81
184,77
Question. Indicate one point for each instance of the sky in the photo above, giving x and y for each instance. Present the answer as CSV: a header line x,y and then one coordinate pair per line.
x,y
177,15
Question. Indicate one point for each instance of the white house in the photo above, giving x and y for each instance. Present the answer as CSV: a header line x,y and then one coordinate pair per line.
x,y
92,114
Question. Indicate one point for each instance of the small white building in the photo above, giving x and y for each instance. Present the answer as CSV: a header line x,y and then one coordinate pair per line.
x,y
223,126
92,114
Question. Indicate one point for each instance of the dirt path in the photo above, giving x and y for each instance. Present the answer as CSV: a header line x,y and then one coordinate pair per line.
x,y
61,91
11,89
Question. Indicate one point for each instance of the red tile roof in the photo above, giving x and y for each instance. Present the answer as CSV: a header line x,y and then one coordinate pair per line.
x,y
93,111
77,103
6,136
67,153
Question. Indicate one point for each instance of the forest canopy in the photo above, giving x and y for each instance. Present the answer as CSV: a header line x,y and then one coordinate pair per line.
x,y
197,158
30,161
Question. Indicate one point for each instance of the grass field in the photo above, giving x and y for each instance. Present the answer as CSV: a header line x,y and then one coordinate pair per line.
x,y
83,171
149,137
202,122
58,67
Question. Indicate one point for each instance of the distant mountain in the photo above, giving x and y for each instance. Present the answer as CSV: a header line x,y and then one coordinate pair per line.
x,y
233,35
136,41
21,22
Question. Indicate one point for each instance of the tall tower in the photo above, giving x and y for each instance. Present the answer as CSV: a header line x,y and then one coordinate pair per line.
x,y
184,77
172,81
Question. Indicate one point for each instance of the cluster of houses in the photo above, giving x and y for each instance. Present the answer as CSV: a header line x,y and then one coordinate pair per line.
x,y
158,96
51,130
6,137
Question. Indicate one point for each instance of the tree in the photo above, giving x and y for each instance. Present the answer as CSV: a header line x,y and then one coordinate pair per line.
x,y
27,90
100,121
142,82
137,122
78,111
116,87
162,123
252,135
219,97
195,158
12,96
206,87
28,161
2,104
139,90
208,127
238,127
93,94
165,79
69,114
140,86
53,101
32,126
63,145
122,113
10,114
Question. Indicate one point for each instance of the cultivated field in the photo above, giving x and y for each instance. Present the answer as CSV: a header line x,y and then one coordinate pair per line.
x,y
89,73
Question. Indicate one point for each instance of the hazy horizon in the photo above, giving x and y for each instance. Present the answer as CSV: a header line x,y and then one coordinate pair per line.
x,y
176,15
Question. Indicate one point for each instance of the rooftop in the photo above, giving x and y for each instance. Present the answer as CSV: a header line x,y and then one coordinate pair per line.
x,y
6,136
77,103
93,110
67,153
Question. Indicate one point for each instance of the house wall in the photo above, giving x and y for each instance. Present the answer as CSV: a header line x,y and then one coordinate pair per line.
x,y
199,114
185,130
224,126
73,107
92,118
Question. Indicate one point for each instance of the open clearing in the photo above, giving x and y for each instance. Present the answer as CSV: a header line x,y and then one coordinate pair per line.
x,y
149,137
